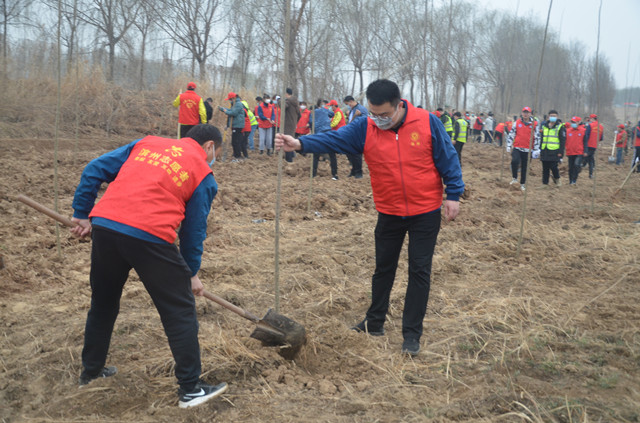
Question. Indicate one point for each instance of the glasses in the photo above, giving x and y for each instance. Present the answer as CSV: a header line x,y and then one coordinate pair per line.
x,y
383,115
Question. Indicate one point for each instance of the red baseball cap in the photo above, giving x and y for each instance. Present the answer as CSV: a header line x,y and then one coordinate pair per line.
x,y
575,119
593,116
527,109
621,126
230,96
332,103
191,86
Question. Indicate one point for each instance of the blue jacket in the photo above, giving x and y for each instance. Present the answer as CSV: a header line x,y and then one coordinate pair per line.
x,y
193,229
352,112
350,139
322,119
236,115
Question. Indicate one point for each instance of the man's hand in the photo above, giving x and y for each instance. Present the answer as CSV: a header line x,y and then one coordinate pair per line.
x,y
451,209
82,229
287,142
196,286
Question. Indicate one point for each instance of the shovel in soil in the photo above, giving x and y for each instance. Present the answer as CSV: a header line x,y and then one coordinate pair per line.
x,y
274,330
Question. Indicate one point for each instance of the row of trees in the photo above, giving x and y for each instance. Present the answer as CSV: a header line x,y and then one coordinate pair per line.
x,y
442,53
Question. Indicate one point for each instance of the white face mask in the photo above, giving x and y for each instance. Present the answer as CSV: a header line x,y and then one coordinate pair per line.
x,y
267,101
303,107
384,122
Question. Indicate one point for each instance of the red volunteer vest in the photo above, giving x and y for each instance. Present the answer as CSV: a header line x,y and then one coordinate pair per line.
x,y
593,135
500,127
154,185
277,109
342,120
574,145
637,138
301,127
477,124
404,178
189,111
523,134
267,111
621,138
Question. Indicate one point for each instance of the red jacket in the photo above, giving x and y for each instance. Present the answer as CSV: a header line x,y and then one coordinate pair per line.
x,y
523,134
302,127
189,111
267,111
574,145
404,179
596,129
154,185
621,138
508,125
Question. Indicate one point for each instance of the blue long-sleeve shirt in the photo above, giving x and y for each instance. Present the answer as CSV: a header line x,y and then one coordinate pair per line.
x,y
321,118
350,139
193,229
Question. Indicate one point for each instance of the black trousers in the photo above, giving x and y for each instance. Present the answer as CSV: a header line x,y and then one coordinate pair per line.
x,y
636,156
356,164
237,142
166,277
519,159
590,160
549,166
184,129
458,147
389,235
333,161
574,167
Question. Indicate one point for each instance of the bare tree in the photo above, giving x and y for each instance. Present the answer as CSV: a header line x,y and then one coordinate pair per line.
x,y
11,13
144,24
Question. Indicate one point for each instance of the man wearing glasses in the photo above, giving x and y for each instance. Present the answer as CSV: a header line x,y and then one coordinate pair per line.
x,y
410,156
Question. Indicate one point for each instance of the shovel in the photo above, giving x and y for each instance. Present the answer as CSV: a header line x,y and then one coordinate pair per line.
x,y
612,157
274,330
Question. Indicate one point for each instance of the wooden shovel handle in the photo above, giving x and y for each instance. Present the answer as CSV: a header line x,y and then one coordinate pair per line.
x,y
226,304
46,210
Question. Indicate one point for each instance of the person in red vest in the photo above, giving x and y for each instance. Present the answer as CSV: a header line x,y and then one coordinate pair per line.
x,y
277,111
410,156
478,124
636,144
302,128
519,139
156,185
499,132
576,148
191,110
621,144
594,134
266,120
338,120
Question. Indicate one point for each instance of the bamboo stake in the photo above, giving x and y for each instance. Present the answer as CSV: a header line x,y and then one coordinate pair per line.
x,y
285,80
57,127
593,192
535,101
312,117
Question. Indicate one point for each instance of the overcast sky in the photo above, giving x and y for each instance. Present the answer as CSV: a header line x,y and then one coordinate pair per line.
x,y
577,20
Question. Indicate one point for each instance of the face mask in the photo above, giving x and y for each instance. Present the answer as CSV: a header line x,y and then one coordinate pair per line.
x,y
267,101
553,118
212,161
384,122
303,107
574,125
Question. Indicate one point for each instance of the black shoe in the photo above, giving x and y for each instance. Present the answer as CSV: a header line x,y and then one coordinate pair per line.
x,y
411,347
201,393
358,176
334,177
105,372
366,328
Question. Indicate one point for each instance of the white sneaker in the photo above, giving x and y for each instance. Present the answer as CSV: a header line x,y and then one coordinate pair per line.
x,y
202,392
522,187
513,181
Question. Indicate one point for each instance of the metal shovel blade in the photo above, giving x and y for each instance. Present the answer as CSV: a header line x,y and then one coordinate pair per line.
x,y
277,330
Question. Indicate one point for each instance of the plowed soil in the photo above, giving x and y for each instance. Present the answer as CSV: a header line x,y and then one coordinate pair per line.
x,y
549,331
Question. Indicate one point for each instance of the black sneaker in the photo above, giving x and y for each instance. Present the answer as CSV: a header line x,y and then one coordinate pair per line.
x,y
105,372
366,328
411,347
201,393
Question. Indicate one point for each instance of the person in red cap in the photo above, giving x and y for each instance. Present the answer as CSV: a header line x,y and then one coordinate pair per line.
x,y
235,120
519,138
621,144
191,110
576,148
594,134
338,120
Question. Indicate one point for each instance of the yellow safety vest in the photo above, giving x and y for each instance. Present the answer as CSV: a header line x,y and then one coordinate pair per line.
x,y
550,140
448,124
252,117
462,135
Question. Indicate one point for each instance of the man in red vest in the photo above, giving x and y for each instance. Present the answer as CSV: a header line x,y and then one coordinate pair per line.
x,y
519,138
576,146
302,127
594,133
155,186
191,109
409,155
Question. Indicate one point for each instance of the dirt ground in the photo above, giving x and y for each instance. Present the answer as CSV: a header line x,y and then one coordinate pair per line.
x,y
551,333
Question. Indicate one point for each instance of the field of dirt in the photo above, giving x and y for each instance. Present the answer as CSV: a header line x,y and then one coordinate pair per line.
x,y
551,333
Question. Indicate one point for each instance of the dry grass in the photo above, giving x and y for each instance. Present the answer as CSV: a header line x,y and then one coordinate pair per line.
x,y
550,336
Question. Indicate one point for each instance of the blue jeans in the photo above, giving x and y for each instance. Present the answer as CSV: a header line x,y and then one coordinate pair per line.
x,y
253,131
619,155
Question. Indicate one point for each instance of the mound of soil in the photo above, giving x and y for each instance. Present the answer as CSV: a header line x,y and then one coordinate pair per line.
x,y
543,330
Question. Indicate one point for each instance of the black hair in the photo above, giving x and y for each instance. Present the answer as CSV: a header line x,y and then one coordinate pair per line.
x,y
383,91
289,91
209,99
552,112
348,98
205,132
265,95
319,103
258,99
439,109
457,114
303,102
